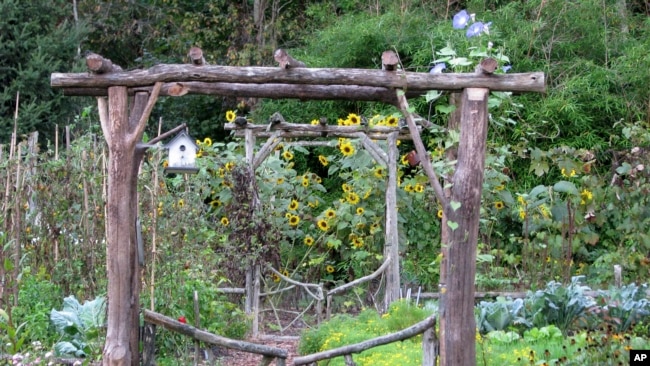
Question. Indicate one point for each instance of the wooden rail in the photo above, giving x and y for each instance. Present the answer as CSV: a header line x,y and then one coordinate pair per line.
x,y
347,351
168,323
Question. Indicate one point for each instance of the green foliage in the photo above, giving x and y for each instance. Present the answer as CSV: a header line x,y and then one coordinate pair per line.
x,y
343,330
621,308
500,314
81,326
559,305
37,39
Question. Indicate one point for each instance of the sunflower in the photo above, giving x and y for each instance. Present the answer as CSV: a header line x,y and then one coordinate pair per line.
x,y
305,182
215,203
294,220
221,172
498,205
353,119
313,204
360,211
323,160
357,242
287,155
230,116
279,180
309,241
323,225
275,277
165,164
285,273
329,269
419,188
330,214
207,142
352,198
379,172
404,159
408,188
391,121
440,213
347,149
230,165
294,205
181,203
346,188
374,228
199,153
225,221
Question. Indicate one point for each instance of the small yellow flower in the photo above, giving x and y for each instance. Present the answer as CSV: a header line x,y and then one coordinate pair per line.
x,y
522,200
230,116
357,242
181,203
230,165
293,205
215,203
309,241
572,173
352,198
360,211
199,153
323,160
165,164
275,277
287,155
379,172
329,269
347,149
404,159
522,213
330,214
586,196
279,180
439,214
391,121
500,187
294,220
225,221
346,188
419,188
315,122
498,205
305,182
408,188
207,142
313,204
323,225
353,119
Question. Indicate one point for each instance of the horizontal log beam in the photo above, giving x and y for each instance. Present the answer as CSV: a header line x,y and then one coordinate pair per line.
x,y
414,81
362,346
293,130
271,91
203,336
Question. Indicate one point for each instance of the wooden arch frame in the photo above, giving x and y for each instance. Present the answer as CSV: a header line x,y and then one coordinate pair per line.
x,y
123,121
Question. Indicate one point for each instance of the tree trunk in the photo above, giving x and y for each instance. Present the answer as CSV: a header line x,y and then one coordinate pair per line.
x,y
463,221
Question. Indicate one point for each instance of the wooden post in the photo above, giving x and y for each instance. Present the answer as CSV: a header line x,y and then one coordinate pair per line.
x,y
463,221
391,248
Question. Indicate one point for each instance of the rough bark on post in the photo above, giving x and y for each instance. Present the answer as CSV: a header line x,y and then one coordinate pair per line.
x,y
391,248
463,213
453,124
121,256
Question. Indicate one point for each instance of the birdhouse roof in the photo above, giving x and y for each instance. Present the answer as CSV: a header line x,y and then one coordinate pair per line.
x,y
180,138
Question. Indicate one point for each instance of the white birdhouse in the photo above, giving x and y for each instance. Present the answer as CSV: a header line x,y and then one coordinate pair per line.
x,y
182,154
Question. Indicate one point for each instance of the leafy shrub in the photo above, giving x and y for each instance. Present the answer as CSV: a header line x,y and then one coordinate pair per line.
x,y
500,314
559,305
622,307
81,326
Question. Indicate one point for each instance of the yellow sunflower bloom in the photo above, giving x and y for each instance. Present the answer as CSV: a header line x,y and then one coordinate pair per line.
x,y
230,116
499,205
329,269
293,205
287,155
308,241
294,220
330,214
347,149
323,160
360,211
225,221
207,142
352,198
323,225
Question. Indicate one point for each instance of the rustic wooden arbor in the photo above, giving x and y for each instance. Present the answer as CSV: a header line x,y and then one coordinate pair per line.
x,y
123,121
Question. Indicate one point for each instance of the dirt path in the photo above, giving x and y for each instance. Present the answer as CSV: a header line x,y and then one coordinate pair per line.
x,y
238,358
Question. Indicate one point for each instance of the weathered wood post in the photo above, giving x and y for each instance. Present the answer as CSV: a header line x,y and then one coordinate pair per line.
x,y
463,213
